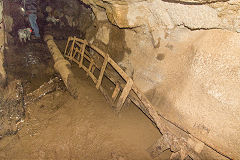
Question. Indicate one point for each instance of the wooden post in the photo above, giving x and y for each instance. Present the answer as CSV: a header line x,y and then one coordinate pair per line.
x,y
124,94
102,71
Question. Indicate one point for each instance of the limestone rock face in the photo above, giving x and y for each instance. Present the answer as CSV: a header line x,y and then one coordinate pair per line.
x,y
200,90
103,34
169,14
197,1
192,79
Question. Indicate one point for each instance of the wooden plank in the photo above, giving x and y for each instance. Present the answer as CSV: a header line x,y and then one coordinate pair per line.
x,y
93,68
127,88
71,38
75,52
82,55
79,44
87,53
163,128
119,70
124,94
81,41
67,46
89,73
85,56
67,56
103,54
106,58
116,92
76,61
93,77
72,47
79,50
89,59
79,54
109,100
90,66
84,68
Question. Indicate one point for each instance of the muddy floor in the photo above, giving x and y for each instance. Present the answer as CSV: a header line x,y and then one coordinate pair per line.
x,y
57,126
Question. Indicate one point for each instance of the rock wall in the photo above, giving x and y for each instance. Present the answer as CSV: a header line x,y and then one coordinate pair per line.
x,y
71,13
184,55
2,42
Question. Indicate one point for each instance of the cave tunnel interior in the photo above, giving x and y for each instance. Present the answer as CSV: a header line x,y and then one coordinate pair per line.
x,y
119,80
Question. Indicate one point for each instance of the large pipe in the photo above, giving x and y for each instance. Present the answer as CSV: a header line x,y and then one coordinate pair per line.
x,y
62,66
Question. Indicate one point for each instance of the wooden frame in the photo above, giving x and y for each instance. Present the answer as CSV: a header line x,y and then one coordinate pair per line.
x,y
165,126
73,51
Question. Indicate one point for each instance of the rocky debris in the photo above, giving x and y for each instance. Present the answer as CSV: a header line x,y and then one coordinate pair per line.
x,y
46,88
13,103
12,111
72,13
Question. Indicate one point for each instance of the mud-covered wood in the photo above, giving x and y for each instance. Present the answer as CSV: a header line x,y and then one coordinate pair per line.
x,y
124,94
116,92
106,58
119,70
93,68
74,53
104,92
65,52
152,111
90,66
158,147
46,88
82,55
72,48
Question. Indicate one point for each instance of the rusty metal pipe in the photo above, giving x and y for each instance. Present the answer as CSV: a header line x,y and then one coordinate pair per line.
x,y
61,65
